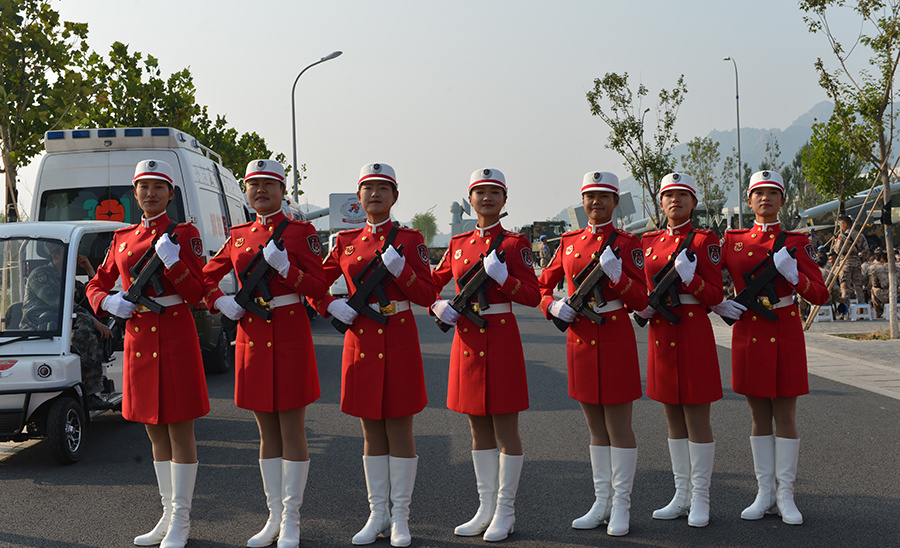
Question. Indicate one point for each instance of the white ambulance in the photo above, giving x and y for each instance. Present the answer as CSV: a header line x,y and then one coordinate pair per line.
x,y
86,175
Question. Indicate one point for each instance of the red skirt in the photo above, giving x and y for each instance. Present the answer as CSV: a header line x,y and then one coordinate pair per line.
x,y
603,360
768,359
382,374
682,365
163,369
487,368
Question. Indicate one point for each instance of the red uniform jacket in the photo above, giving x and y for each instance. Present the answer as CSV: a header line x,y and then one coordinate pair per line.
x,y
602,359
682,366
768,359
275,363
487,365
382,373
163,369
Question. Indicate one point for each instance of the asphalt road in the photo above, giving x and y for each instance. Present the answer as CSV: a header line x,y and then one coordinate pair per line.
x,y
848,487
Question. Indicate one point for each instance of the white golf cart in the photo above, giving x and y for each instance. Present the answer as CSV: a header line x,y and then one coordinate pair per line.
x,y
41,390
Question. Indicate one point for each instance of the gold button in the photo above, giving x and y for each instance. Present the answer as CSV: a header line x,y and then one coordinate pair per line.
x,y
136,329
268,321
271,228
253,229
503,320
175,313
771,236
613,318
753,235
248,249
657,321
364,238
690,314
488,241
380,355
137,232
653,257
155,354
153,231
793,313
381,331
402,320
291,312
753,340
131,278
381,237
578,341
657,343
772,339
466,353
359,258
593,343
362,354
137,354
360,331
466,261
599,238
677,240
481,353
130,253
578,255
472,241
153,329
584,237
481,330
662,239
672,344
251,344
465,329
269,344
250,319
750,254
753,318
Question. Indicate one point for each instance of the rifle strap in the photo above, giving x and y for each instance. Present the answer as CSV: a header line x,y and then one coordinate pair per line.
x,y
392,235
496,243
779,241
279,230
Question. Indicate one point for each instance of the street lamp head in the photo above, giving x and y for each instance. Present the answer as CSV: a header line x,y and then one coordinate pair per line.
x,y
332,55
726,58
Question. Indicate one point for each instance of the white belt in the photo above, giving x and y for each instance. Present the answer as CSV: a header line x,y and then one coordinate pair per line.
x,y
787,300
608,307
168,300
687,299
284,300
395,307
496,308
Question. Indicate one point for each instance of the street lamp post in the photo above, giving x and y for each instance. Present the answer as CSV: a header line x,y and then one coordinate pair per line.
x,y
294,119
740,168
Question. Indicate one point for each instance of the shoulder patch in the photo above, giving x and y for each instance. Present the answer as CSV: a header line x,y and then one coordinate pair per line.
x,y
126,228
315,245
715,253
703,231
423,253
227,241
197,246
242,225
443,258
638,257
527,258
810,251
463,235
652,234
571,232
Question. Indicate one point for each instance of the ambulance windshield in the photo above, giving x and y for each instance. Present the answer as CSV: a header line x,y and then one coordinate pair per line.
x,y
101,203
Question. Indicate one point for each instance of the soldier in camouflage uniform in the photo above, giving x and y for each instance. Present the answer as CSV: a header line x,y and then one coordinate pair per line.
x,y
878,276
42,295
850,276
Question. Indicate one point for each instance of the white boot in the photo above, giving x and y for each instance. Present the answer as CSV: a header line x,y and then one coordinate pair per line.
x,y
681,469
487,469
293,485
271,476
787,453
378,485
183,478
702,456
403,478
600,469
624,464
504,520
164,481
763,449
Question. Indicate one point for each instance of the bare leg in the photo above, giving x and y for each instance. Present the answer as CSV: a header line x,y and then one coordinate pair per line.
x,y
506,427
482,433
376,438
596,422
184,446
270,446
159,440
762,414
293,434
785,413
618,424
401,442
696,418
676,421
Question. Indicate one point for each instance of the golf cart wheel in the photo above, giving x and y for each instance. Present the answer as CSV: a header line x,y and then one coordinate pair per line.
x,y
65,430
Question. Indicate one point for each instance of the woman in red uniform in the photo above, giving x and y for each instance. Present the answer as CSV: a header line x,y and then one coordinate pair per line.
x,y
165,387
383,382
682,366
487,365
604,373
275,365
768,358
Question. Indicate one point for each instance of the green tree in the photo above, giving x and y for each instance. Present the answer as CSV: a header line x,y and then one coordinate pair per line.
x,y
701,162
648,161
832,164
426,223
863,91
807,194
42,82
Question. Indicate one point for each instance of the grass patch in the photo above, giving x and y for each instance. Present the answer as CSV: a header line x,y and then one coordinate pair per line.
x,y
879,335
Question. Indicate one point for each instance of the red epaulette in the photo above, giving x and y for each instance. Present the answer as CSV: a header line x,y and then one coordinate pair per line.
x,y
463,235
652,234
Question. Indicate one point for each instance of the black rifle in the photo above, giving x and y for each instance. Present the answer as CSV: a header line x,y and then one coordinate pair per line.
x,y
474,286
375,273
146,272
591,281
664,296
255,278
760,280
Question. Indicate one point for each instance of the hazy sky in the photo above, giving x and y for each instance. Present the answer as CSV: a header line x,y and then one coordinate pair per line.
x,y
439,89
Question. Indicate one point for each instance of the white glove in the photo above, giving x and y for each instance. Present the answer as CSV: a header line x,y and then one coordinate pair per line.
x,y
786,266
277,258
393,261
729,309
611,265
444,312
685,267
168,250
231,309
562,310
647,313
342,311
118,306
495,268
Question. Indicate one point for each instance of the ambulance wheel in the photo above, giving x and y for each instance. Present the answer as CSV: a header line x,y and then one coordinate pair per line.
x,y
220,359
65,430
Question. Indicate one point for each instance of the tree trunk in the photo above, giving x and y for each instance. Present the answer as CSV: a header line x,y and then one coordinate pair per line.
x,y
892,264
9,169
